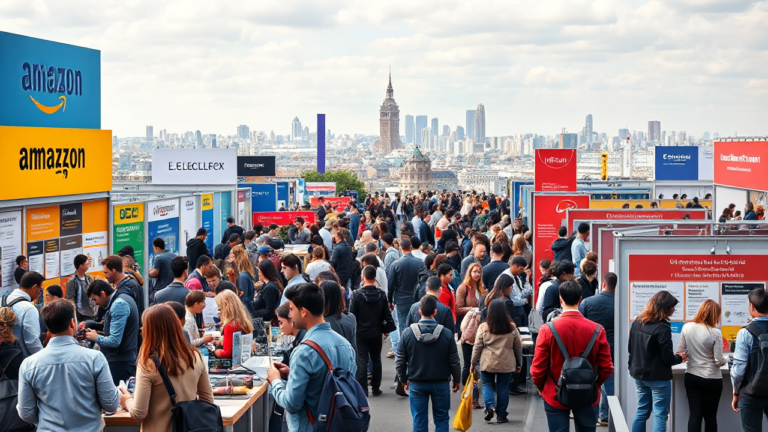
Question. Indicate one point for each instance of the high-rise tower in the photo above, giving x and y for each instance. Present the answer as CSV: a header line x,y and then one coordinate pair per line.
x,y
470,125
480,124
389,123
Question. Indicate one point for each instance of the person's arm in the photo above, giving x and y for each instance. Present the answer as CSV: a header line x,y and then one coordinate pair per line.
x,y
334,261
387,314
664,339
401,359
604,362
31,329
517,348
717,349
71,289
291,395
292,231
353,304
740,358
541,356
109,396
194,333
583,309
461,300
477,350
155,272
410,318
683,345
27,401
226,344
120,311
455,362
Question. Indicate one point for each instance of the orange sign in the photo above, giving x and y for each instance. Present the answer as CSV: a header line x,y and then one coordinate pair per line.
x,y
42,223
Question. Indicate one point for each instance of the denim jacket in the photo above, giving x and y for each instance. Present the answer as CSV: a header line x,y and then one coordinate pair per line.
x,y
307,375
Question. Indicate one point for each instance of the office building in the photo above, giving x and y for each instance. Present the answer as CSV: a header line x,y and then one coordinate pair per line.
x,y
198,139
654,131
434,128
421,123
296,129
480,124
410,126
150,133
243,132
588,129
470,121
459,133
568,140
426,138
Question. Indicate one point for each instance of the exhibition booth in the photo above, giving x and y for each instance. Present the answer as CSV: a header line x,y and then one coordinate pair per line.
x,y
740,173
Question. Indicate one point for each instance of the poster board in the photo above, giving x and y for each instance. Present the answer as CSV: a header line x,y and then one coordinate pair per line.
x,y
163,222
555,170
128,230
189,215
10,247
645,214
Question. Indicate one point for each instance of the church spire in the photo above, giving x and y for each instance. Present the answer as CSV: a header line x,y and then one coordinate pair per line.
x,y
390,92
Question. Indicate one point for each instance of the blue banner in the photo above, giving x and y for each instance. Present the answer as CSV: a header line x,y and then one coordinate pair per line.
x,y
516,200
263,196
49,84
168,230
677,163
282,192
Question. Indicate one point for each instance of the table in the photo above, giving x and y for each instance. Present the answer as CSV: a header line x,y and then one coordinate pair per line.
x,y
239,415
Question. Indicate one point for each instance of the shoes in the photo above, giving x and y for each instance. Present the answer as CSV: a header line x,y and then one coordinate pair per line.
x,y
390,354
601,422
476,405
376,392
400,390
516,391
502,420
489,414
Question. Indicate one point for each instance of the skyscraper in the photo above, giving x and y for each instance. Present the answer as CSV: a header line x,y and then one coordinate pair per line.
x,y
296,129
470,124
568,140
588,129
198,139
389,123
243,131
426,135
421,123
654,131
623,134
446,130
150,133
459,133
480,124
434,129
409,128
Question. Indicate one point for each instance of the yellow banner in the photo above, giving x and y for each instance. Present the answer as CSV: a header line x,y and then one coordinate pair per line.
x,y
207,201
129,213
43,162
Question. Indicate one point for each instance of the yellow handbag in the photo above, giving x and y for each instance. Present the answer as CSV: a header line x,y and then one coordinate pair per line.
x,y
463,419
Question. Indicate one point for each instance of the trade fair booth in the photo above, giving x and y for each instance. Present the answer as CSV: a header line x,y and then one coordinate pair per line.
x,y
741,173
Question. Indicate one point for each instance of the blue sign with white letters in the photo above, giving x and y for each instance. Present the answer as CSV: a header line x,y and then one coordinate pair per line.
x,y
48,84
677,163
263,196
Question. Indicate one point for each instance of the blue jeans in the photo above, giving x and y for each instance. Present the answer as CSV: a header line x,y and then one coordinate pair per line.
x,y
402,316
419,395
584,419
394,337
751,411
607,390
652,396
496,391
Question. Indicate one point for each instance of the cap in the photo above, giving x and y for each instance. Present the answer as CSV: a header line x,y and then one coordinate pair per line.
x,y
263,250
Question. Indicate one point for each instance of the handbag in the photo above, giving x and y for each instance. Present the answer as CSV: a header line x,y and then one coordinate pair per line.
x,y
463,419
9,394
194,415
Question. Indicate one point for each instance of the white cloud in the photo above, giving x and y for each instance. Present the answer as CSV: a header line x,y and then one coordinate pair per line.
x,y
537,66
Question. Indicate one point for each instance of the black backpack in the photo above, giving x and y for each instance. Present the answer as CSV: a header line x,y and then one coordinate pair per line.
x,y
757,369
577,386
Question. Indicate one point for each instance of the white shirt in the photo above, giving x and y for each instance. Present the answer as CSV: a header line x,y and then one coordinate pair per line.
x,y
540,297
327,239
315,267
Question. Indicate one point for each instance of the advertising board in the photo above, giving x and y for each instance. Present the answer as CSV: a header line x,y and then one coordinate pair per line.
x,y
283,218
632,215
188,221
326,189
741,164
207,220
676,163
128,230
163,222
338,203
555,170
256,166
263,196
215,166
10,246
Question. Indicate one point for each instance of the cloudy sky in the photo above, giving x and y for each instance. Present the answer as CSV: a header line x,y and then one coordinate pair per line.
x,y
537,66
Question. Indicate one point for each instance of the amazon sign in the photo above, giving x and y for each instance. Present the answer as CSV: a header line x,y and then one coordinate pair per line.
x,y
48,84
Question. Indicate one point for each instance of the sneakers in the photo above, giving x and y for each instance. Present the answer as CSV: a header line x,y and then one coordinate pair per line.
x,y
489,414
516,391
502,420
400,390
376,392
476,405
390,354
601,422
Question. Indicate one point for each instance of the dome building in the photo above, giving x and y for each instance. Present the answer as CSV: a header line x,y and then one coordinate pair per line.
x,y
416,173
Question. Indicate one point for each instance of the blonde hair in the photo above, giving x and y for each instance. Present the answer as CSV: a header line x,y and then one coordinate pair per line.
x,y
7,321
231,309
470,283
241,260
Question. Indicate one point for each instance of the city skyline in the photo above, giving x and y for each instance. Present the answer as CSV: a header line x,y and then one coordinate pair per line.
x,y
262,64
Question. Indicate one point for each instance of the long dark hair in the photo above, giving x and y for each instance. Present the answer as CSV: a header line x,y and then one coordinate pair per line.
x,y
334,300
659,308
502,282
267,268
498,319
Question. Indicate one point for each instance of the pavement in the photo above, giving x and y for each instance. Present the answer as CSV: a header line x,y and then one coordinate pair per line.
x,y
390,412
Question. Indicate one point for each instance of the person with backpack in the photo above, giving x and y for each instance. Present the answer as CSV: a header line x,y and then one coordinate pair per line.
x,y
497,353
749,372
77,287
561,248
11,357
571,361
427,360
22,301
651,357
301,390
165,354
564,272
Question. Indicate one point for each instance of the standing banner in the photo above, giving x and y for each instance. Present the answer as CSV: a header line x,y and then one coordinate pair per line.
x,y
215,166
188,222
163,222
555,170
338,203
10,246
676,163
741,164
95,235
207,220
549,214
241,207
263,196
283,218
282,195
128,230
226,210
256,166
301,187
646,214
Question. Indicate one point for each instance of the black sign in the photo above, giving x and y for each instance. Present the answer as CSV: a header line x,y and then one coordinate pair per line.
x,y
255,166
71,219
740,288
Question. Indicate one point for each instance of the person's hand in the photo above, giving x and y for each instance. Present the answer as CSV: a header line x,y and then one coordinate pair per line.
x,y
735,403
284,369
217,342
208,338
518,369
683,355
91,335
273,374
81,326
472,369
124,397
210,294
240,293
405,385
391,307
455,387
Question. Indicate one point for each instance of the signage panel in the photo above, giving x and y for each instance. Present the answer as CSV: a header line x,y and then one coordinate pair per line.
x,y
283,218
163,222
741,164
194,166
207,220
632,215
263,196
256,166
555,170
676,163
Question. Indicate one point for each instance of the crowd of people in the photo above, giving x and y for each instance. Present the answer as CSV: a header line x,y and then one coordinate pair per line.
x,y
447,278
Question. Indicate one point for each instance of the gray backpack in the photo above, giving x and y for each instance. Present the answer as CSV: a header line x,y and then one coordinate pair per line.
x,y
430,337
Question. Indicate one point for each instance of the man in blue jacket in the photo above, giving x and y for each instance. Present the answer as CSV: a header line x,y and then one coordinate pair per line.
x,y
443,314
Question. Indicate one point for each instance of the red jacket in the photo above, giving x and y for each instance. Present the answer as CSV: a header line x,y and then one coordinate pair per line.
x,y
575,331
447,298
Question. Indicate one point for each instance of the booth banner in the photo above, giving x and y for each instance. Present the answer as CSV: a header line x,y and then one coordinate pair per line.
x,y
676,163
555,170
163,222
741,164
338,203
549,214
215,166
95,235
283,218
256,166
326,189
726,279
301,188
282,195
54,162
706,163
632,215
263,197
188,222
241,208
48,84
10,246
225,205
128,230
207,220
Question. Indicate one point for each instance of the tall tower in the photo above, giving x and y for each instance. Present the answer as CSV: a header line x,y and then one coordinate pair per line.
x,y
480,124
588,129
470,120
409,127
389,123
654,131
296,129
421,124
150,133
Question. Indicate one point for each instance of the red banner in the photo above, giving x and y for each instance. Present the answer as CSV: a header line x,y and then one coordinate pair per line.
x,y
555,170
338,203
741,164
549,213
283,218
632,215
691,268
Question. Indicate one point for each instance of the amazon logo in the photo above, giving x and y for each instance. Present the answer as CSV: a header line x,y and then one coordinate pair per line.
x,y
564,205
62,160
52,80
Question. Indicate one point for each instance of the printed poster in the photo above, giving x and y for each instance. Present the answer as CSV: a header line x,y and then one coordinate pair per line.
x,y
641,292
735,307
10,242
163,222
698,292
188,222
128,230
52,258
36,257
70,248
